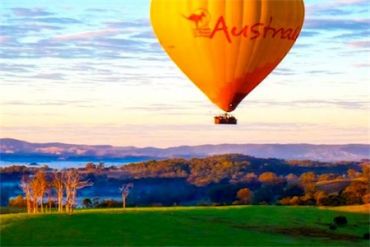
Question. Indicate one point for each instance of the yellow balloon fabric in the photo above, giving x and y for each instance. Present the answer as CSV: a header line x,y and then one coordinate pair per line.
x,y
227,47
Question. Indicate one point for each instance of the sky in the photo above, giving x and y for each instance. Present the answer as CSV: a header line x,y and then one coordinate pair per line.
x,y
92,72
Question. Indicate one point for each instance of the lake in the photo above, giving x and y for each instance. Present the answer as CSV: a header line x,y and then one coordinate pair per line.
x,y
69,164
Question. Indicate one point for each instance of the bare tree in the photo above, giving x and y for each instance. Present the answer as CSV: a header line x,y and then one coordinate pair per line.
x,y
34,196
49,193
42,186
26,187
38,186
125,190
72,182
58,185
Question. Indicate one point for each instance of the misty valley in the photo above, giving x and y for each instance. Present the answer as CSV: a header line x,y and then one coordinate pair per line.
x,y
214,180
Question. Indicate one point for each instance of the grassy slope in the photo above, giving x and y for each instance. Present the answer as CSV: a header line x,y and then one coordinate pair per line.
x,y
226,226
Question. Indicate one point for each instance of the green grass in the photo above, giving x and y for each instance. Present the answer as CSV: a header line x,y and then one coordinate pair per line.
x,y
186,226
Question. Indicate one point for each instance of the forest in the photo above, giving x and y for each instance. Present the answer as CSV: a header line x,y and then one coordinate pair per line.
x,y
216,180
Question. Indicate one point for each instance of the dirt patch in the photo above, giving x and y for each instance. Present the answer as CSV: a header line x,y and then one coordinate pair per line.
x,y
319,233
302,232
292,231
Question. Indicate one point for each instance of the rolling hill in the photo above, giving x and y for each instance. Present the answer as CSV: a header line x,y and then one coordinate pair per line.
x,y
12,148
186,226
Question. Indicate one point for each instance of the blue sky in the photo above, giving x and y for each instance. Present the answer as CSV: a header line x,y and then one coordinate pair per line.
x,y
92,72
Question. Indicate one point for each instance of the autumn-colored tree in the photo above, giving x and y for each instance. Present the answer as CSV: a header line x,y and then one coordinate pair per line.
x,y
38,187
352,173
325,177
308,180
18,202
290,201
49,193
57,183
366,198
244,195
291,179
26,187
354,192
90,167
365,171
268,178
321,197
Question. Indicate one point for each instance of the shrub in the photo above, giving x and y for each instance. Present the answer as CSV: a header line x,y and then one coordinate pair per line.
x,y
366,235
109,203
332,227
340,220
87,203
18,202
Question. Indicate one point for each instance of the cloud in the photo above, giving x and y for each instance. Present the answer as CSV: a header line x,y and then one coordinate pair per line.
x,y
360,44
349,3
326,72
306,33
57,20
99,10
355,104
145,35
326,24
45,103
30,12
140,23
168,108
284,71
353,35
48,76
24,29
16,68
88,35
362,65
104,43
337,7
4,39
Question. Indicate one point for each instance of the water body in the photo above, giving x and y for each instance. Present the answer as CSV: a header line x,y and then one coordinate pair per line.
x,y
70,164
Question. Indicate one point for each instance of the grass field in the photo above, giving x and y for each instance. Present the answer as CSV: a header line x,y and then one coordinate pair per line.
x,y
186,226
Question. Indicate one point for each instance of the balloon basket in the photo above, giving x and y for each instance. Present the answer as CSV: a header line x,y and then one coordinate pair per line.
x,y
225,119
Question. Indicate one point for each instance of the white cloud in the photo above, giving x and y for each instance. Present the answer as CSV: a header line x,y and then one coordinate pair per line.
x,y
86,35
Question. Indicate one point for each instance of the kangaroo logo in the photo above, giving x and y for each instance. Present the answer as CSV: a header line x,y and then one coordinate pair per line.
x,y
200,18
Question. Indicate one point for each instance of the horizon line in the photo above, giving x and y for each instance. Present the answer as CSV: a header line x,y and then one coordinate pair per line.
x,y
185,145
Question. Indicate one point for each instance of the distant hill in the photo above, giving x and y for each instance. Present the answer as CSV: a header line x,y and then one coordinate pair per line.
x,y
17,149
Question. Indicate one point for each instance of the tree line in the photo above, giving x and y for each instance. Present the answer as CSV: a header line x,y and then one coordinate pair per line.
x,y
62,185
217,180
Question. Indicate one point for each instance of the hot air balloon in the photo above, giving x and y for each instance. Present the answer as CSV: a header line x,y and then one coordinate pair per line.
x,y
227,47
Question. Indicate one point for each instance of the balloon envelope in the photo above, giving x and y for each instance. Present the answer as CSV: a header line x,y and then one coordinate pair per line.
x,y
227,47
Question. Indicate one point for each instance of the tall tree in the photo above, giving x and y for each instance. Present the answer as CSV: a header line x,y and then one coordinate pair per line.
x,y
72,182
125,190
38,187
26,187
42,186
58,185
